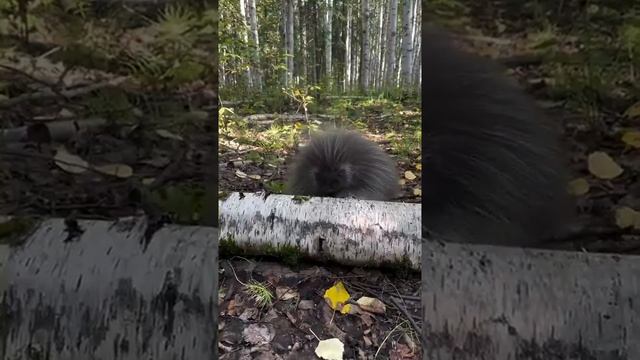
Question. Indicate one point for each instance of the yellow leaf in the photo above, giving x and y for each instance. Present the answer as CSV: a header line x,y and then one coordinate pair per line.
x,y
579,187
633,110
419,166
330,349
409,175
417,192
626,217
632,138
603,166
337,296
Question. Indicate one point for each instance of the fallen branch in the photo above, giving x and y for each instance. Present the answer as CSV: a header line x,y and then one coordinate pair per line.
x,y
352,232
268,119
67,94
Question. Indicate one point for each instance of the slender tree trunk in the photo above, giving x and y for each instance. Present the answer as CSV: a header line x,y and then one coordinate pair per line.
x,y
288,41
365,57
245,39
255,43
407,42
347,51
392,33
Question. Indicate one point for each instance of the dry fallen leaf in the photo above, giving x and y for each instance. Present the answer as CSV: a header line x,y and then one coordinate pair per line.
x,y
627,217
633,110
254,177
330,349
409,175
118,170
579,187
258,334
417,192
602,166
337,297
241,174
632,138
286,293
372,305
306,305
168,134
69,162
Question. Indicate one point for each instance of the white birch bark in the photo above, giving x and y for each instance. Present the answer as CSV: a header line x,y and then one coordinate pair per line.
x,y
245,38
407,42
289,46
392,35
512,296
255,44
97,288
351,232
328,39
365,57
347,53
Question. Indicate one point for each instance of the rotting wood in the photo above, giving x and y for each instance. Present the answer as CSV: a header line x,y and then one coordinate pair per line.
x,y
487,302
108,294
347,231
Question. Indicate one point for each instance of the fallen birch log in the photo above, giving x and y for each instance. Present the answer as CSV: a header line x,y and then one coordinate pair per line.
x,y
488,302
110,294
60,131
347,231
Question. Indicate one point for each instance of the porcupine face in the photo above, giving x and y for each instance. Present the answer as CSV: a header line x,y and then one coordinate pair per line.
x,y
343,164
331,179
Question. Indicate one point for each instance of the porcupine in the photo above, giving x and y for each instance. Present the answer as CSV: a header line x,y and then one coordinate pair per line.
x,y
494,171
342,163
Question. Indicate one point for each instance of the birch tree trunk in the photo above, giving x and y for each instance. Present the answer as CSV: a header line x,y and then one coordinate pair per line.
x,y
347,52
380,47
255,44
392,34
352,232
407,42
365,56
328,41
288,41
245,39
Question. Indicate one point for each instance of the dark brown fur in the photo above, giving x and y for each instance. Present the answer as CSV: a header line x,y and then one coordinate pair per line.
x,y
340,163
493,168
